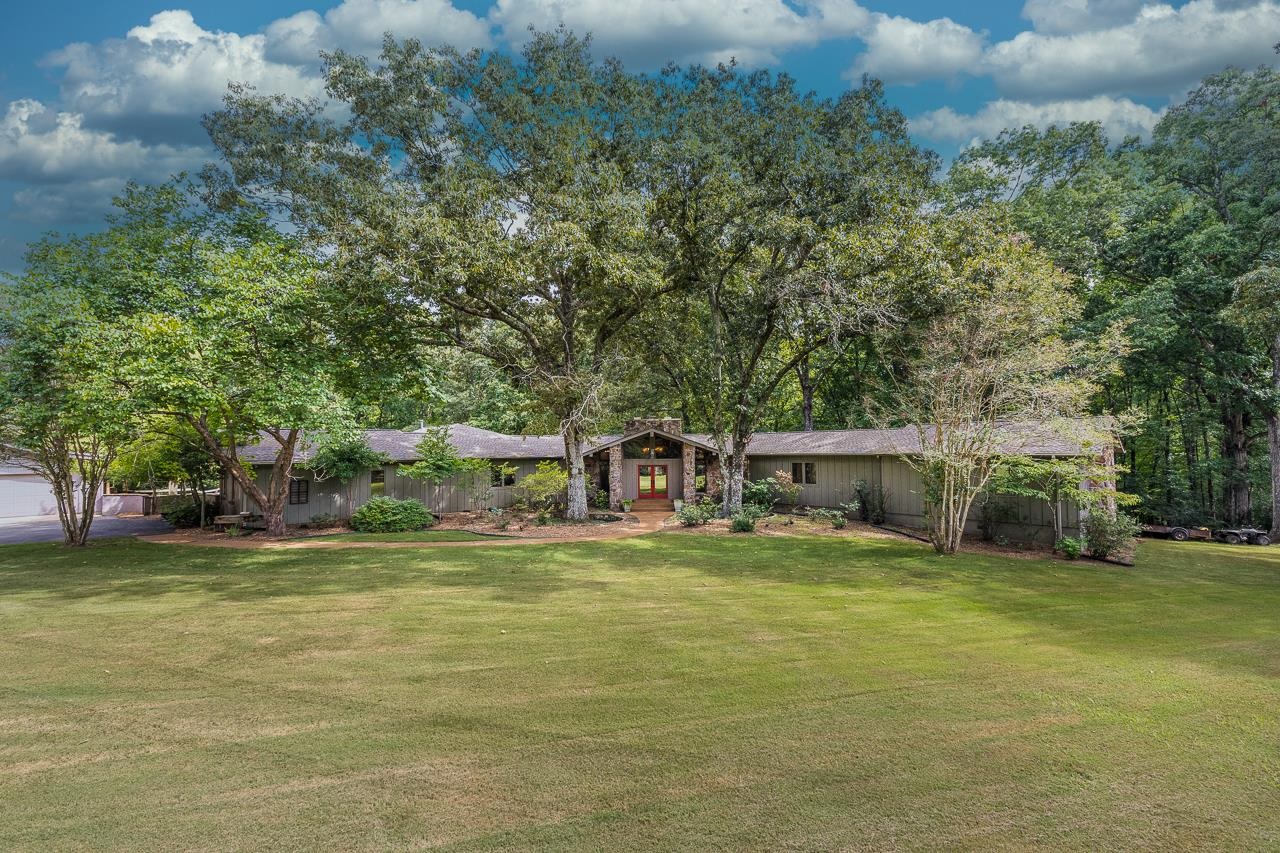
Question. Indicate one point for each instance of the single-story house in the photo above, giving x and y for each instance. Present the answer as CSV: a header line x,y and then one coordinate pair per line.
x,y
653,462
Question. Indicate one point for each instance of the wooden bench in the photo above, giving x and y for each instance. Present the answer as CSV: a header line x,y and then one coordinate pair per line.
x,y
243,520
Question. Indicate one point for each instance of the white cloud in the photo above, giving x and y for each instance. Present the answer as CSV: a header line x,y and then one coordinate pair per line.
x,y
647,33
41,145
1120,117
1162,51
900,50
1077,16
170,68
359,25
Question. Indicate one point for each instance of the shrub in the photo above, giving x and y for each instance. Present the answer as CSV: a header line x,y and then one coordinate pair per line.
x,y
323,520
834,516
601,499
1105,536
1070,546
388,515
757,493
694,515
872,501
544,486
188,514
743,522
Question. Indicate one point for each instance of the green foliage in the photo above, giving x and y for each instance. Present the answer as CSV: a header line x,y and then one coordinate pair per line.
x,y
872,501
188,514
545,486
601,499
743,522
1107,536
696,514
439,460
388,515
836,518
1070,547
344,459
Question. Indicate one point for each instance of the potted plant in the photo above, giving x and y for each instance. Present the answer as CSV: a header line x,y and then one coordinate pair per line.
x,y
678,504
626,504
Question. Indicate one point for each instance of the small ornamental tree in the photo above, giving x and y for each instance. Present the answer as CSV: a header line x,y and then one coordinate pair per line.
x,y
991,369
62,414
1086,481
343,460
439,460
545,486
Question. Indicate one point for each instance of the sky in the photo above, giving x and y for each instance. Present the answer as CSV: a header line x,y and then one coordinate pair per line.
x,y
94,93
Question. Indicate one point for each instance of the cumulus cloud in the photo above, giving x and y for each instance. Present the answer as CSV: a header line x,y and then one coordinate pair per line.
x,y
1162,51
41,145
157,79
1077,16
1120,117
647,33
900,50
359,25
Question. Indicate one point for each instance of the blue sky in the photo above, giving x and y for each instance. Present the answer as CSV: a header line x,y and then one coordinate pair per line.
x,y
93,94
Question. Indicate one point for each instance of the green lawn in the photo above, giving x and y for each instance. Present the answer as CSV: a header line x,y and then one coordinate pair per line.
x,y
412,536
677,691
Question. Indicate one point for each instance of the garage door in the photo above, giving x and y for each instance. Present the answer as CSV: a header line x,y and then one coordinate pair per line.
x,y
25,494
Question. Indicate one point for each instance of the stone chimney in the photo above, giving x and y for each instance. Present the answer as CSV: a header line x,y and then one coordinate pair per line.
x,y
674,426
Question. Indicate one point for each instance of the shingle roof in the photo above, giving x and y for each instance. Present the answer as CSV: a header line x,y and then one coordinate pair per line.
x,y
470,441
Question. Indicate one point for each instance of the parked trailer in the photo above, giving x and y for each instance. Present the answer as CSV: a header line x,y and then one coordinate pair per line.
x,y
1237,535
1176,533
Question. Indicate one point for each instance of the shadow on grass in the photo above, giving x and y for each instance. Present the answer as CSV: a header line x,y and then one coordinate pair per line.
x,y
123,568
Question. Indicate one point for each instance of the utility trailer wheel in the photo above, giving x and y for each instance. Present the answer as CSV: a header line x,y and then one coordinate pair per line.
x,y
1262,539
1231,538
1177,534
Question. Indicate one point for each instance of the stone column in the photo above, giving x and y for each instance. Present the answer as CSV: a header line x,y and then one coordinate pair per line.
x,y
615,477
687,460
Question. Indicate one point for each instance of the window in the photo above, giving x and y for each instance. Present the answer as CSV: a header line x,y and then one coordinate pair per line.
x,y
377,482
299,491
804,473
700,470
500,477
651,447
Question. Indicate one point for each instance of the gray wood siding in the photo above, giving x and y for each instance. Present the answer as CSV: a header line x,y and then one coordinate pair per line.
x,y
1019,518
454,494
325,497
836,475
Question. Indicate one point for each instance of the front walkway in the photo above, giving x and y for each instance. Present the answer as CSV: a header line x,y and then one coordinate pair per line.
x,y
637,524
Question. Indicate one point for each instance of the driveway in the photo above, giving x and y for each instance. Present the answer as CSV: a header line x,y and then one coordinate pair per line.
x,y
45,528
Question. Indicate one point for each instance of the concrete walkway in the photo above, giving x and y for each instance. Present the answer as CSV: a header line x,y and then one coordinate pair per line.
x,y
637,524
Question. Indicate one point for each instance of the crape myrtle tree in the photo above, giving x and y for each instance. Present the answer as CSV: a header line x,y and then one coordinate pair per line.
x,y
495,204
992,367
781,216
61,416
65,410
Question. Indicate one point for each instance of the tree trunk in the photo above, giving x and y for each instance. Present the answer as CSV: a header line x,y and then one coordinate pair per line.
x,y
577,497
731,471
1235,440
805,377
1273,439
272,501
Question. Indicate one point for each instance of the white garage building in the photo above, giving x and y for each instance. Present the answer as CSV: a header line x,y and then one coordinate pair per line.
x,y
24,493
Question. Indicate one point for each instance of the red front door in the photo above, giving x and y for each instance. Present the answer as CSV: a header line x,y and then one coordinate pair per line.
x,y
653,481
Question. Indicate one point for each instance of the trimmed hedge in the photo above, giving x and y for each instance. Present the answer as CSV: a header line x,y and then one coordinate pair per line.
x,y
388,515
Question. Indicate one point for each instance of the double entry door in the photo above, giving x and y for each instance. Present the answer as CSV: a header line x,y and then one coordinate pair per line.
x,y
653,481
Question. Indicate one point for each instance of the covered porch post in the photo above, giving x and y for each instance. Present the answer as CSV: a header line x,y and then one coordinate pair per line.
x,y
615,477
688,471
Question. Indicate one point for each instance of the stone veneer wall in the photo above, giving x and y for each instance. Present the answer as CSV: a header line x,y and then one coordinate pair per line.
x,y
615,477
690,471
